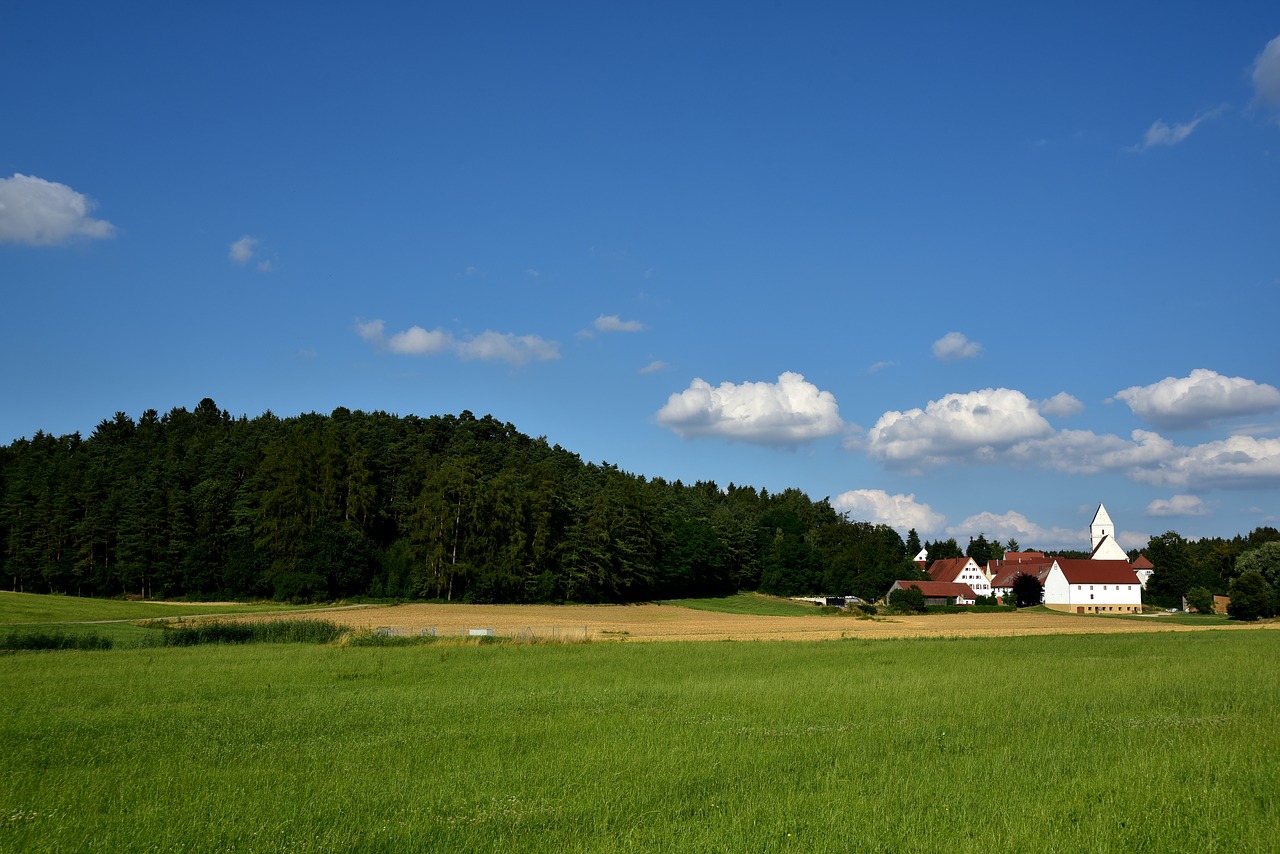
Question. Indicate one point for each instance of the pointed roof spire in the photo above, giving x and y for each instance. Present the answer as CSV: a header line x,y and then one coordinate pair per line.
x,y
1101,517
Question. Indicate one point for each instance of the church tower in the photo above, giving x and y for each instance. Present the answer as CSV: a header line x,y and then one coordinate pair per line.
x,y
1102,535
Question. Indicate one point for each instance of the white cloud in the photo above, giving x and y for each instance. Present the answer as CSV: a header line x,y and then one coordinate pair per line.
x,y
654,366
789,411
1086,452
612,323
1015,525
416,341
516,349
1178,505
1163,134
488,345
1061,405
880,366
1237,462
954,346
1266,74
976,424
900,512
1193,401
45,213
242,250
371,331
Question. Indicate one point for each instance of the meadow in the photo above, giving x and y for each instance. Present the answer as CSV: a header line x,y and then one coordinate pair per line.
x,y
1142,742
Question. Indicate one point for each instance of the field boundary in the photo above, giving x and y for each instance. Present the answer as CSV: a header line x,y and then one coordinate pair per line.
x,y
652,622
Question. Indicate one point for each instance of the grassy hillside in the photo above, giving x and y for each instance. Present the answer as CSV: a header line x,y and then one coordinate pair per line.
x,y
1097,743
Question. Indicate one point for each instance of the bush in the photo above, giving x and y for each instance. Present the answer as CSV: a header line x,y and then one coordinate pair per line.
x,y
910,600
1250,597
39,639
267,631
1200,599
1027,590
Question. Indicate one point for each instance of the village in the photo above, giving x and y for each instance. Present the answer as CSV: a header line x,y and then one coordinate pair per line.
x,y
1104,583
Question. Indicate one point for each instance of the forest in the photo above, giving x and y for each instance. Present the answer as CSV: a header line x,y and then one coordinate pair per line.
x,y
352,504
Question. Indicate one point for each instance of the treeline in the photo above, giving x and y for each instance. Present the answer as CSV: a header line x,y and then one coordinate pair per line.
x,y
321,507
1212,563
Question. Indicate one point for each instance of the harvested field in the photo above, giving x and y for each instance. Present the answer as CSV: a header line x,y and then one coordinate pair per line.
x,y
673,623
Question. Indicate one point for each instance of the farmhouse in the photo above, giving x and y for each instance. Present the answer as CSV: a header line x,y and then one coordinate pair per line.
x,y
963,570
1004,572
939,592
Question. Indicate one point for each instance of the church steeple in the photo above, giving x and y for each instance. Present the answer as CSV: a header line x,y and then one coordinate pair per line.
x,y
1102,536
1101,527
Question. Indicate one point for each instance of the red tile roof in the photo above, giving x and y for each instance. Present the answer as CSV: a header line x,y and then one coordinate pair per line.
x,y
938,588
1141,562
1005,573
1097,571
947,569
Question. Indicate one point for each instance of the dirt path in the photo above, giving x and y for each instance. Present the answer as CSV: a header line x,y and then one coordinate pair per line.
x,y
670,623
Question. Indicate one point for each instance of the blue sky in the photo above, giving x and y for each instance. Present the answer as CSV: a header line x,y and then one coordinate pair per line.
x,y
964,271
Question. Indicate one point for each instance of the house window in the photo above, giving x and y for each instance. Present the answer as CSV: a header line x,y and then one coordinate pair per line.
x,y
1090,595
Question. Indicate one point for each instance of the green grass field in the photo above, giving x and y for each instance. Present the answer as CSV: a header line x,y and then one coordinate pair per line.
x,y
1165,742
27,608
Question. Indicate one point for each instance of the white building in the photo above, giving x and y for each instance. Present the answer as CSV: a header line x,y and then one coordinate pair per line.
x,y
1093,587
961,570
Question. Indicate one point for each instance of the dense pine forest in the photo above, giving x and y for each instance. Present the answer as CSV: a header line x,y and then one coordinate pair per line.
x,y
323,507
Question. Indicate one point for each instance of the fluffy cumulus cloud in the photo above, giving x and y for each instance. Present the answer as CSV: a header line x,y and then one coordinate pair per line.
x,y
955,345
45,213
1238,462
1178,505
1061,405
613,323
1201,398
488,345
978,425
790,411
1162,134
1266,74
416,341
900,512
1004,526
1086,452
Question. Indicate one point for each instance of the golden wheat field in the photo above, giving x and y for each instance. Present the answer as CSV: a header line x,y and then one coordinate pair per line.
x,y
674,623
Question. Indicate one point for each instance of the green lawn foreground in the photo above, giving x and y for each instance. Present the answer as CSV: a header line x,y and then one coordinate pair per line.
x,y
1166,742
